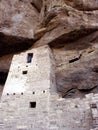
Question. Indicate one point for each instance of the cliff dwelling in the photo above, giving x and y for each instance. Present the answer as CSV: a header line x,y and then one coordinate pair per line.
x,y
49,65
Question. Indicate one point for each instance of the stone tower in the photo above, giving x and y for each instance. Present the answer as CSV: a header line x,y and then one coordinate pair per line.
x,y
30,82
31,72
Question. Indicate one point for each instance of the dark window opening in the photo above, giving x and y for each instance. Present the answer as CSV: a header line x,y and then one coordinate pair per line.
x,y
21,93
13,93
24,72
33,92
44,91
29,57
3,77
7,93
32,104
93,105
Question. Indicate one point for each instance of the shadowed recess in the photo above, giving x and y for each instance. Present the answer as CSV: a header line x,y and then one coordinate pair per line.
x,y
12,44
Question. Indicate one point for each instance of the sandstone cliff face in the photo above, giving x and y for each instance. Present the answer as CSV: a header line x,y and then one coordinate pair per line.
x,y
70,27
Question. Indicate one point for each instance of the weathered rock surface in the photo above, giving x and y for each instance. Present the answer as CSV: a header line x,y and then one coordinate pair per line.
x,y
18,19
62,23
83,5
77,66
70,27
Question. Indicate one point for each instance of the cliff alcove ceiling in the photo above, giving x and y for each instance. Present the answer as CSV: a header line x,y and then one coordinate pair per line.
x,y
69,27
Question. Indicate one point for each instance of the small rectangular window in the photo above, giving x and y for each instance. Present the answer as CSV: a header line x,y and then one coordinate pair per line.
x,y
29,57
32,104
24,72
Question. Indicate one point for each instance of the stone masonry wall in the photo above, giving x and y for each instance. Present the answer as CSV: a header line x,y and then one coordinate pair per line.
x,y
51,112
30,100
